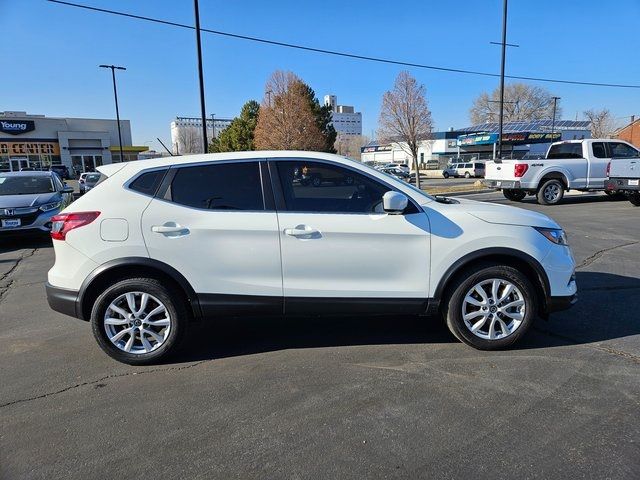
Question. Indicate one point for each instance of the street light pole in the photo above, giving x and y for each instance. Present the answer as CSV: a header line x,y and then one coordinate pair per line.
x,y
115,94
553,120
502,62
201,77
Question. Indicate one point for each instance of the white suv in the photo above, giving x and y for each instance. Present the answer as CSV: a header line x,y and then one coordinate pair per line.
x,y
155,246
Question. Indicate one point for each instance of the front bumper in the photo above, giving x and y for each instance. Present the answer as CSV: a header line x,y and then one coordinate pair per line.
x,y
38,220
62,300
624,184
557,304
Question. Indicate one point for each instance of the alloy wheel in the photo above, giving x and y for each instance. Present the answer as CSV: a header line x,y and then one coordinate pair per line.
x,y
551,192
493,309
137,322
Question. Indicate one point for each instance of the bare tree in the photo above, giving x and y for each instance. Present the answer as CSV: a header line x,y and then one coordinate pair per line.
x,y
350,145
286,121
602,122
189,140
405,117
522,103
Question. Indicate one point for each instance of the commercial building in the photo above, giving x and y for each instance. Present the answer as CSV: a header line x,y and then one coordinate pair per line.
x,y
37,142
186,133
344,118
630,133
479,142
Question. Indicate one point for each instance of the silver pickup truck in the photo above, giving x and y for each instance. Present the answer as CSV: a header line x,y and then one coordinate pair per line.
x,y
624,177
568,165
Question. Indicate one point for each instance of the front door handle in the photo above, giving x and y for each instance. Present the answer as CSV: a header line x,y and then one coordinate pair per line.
x,y
170,229
302,231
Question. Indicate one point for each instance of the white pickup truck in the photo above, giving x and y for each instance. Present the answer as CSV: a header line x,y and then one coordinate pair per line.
x,y
624,177
569,165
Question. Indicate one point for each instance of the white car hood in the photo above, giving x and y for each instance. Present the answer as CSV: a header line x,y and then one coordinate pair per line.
x,y
506,215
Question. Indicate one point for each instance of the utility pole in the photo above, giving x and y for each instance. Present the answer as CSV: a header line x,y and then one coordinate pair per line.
x,y
201,78
213,126
553,120
115,94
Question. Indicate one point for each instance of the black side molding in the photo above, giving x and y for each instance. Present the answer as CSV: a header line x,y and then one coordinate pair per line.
x,y
355,306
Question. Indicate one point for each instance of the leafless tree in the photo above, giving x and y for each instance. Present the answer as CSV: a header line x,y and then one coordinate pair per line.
x,y
405,117
350,145
602,123
189,140
285,121
522,103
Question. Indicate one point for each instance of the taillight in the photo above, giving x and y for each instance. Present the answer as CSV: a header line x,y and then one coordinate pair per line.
x,y
520,169
65,222
608,169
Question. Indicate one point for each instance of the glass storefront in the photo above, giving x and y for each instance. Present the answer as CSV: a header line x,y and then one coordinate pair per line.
x,y
85,163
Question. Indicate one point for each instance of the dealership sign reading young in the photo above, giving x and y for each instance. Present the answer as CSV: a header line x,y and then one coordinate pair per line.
x,y
16,127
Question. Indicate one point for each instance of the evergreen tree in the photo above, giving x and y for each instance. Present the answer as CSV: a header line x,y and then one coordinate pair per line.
x,y
238,136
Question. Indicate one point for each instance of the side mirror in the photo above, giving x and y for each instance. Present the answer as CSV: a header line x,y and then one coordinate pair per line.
x,y
67,189
394,203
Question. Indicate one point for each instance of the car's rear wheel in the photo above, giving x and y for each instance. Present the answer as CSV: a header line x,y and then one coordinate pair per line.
x,y
491,307
634,198
139,321
514,195
467,175
551,192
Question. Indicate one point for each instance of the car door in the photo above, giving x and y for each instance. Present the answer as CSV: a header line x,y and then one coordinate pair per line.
x,y
598,161
215,226
615,150
335,242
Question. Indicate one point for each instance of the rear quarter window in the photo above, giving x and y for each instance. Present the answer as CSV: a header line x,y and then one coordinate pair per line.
x,y
565,150
147,183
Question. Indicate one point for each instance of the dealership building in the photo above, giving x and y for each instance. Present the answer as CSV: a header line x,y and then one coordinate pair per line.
x,y
479,142
82,144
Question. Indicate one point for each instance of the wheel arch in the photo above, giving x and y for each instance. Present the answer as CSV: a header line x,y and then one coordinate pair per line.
x,y
498,256
131,267
554,175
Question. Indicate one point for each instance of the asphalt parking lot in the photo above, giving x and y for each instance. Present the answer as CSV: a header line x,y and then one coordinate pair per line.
x,y
338,397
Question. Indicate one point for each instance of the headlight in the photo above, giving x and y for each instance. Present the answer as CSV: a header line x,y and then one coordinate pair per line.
x,y
555,235
49,206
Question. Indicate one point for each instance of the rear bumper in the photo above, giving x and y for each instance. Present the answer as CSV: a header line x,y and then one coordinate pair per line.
x,y
62,300
624,184
500,184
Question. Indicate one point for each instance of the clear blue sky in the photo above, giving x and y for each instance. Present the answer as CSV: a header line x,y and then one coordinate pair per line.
x,y
50,54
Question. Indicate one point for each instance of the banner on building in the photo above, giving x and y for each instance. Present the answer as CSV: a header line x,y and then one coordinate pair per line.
x,y
29,148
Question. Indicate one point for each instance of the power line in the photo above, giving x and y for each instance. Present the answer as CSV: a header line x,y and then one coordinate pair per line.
x,y
342,54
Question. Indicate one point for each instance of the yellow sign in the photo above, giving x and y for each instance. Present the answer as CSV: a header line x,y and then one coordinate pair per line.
x,y
29,148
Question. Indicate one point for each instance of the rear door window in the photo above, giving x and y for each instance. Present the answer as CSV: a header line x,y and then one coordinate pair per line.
x,y
599,151
232,186
565,150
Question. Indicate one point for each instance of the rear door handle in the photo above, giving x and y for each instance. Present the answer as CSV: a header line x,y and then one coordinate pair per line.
x,y
302,231
170,229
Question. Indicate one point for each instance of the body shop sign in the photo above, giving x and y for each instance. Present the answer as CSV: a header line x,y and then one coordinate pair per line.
x,y
16,127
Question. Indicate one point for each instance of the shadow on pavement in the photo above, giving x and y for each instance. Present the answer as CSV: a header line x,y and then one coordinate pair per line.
x,y
605,311
576,200
10,241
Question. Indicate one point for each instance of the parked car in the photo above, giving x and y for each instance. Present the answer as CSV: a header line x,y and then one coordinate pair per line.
x,y
61,170
569,165
316,175
156,246
402,166
28,200
88,182
396,172
467,170
624,177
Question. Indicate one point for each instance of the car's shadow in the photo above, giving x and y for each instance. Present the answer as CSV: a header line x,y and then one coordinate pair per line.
x,y
12,241
604,312
577,199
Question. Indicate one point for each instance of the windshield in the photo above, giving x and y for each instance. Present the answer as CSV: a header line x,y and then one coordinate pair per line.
x,y
25,185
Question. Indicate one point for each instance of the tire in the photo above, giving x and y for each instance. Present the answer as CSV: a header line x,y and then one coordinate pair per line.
x,y
316,181
467,175
634,198
445,175
514,195
163,343
551,192
512,318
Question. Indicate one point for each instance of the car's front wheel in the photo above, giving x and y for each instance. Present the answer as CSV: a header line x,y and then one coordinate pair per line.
x,y
491,307
139,321
445,175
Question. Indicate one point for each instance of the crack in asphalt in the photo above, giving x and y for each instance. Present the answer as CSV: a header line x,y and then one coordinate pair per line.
x,y
602,348
98,382
9,273
592,258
